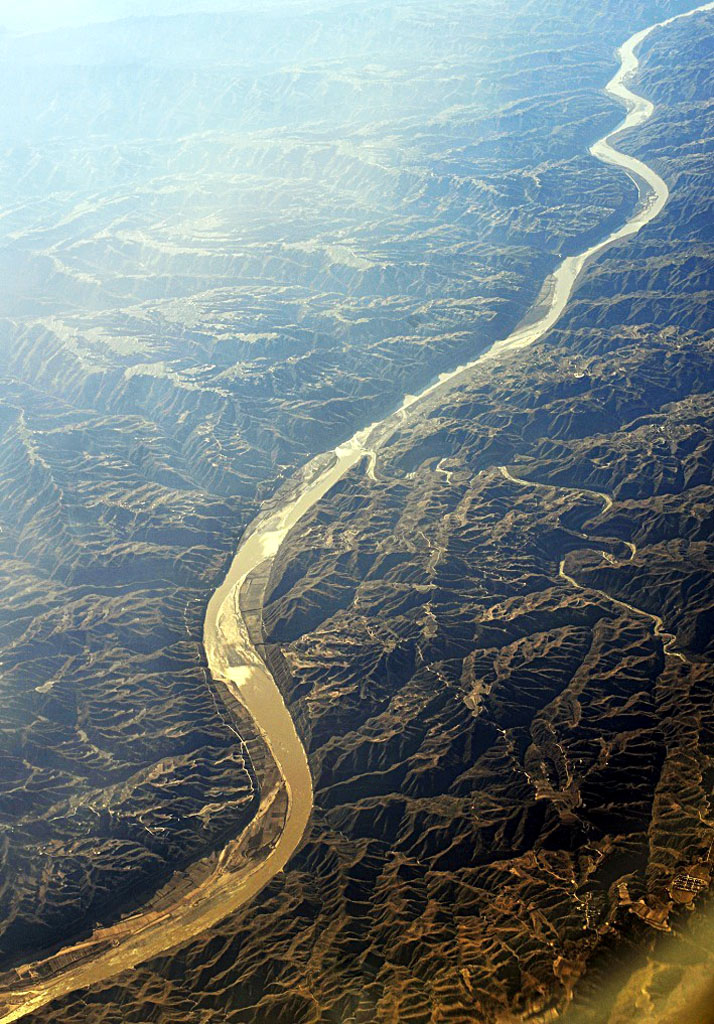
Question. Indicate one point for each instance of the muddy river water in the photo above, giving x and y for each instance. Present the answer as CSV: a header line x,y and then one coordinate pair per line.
x,y
234,658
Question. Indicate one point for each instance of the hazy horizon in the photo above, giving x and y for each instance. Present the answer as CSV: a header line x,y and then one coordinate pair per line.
x,y
46,16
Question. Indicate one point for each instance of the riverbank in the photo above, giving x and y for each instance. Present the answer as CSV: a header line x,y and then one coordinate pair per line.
x,y
234,658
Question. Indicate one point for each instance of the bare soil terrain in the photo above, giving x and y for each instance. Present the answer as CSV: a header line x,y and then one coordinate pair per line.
x,y
497,646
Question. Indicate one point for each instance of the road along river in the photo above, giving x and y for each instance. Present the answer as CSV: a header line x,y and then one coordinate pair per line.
x,y
251,860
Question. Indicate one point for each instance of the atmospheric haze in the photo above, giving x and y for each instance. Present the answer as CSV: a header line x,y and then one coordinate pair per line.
x,y
356,477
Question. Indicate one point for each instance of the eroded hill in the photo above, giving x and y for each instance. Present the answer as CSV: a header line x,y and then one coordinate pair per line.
x,y
510,751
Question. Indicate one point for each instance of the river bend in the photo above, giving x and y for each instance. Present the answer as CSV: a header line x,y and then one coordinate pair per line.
x,y
235,661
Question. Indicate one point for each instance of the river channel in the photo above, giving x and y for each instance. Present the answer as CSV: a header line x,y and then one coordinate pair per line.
x,y
234,659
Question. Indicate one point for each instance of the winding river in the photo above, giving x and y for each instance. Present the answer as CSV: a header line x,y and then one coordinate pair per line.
x,y
669,640
238,873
